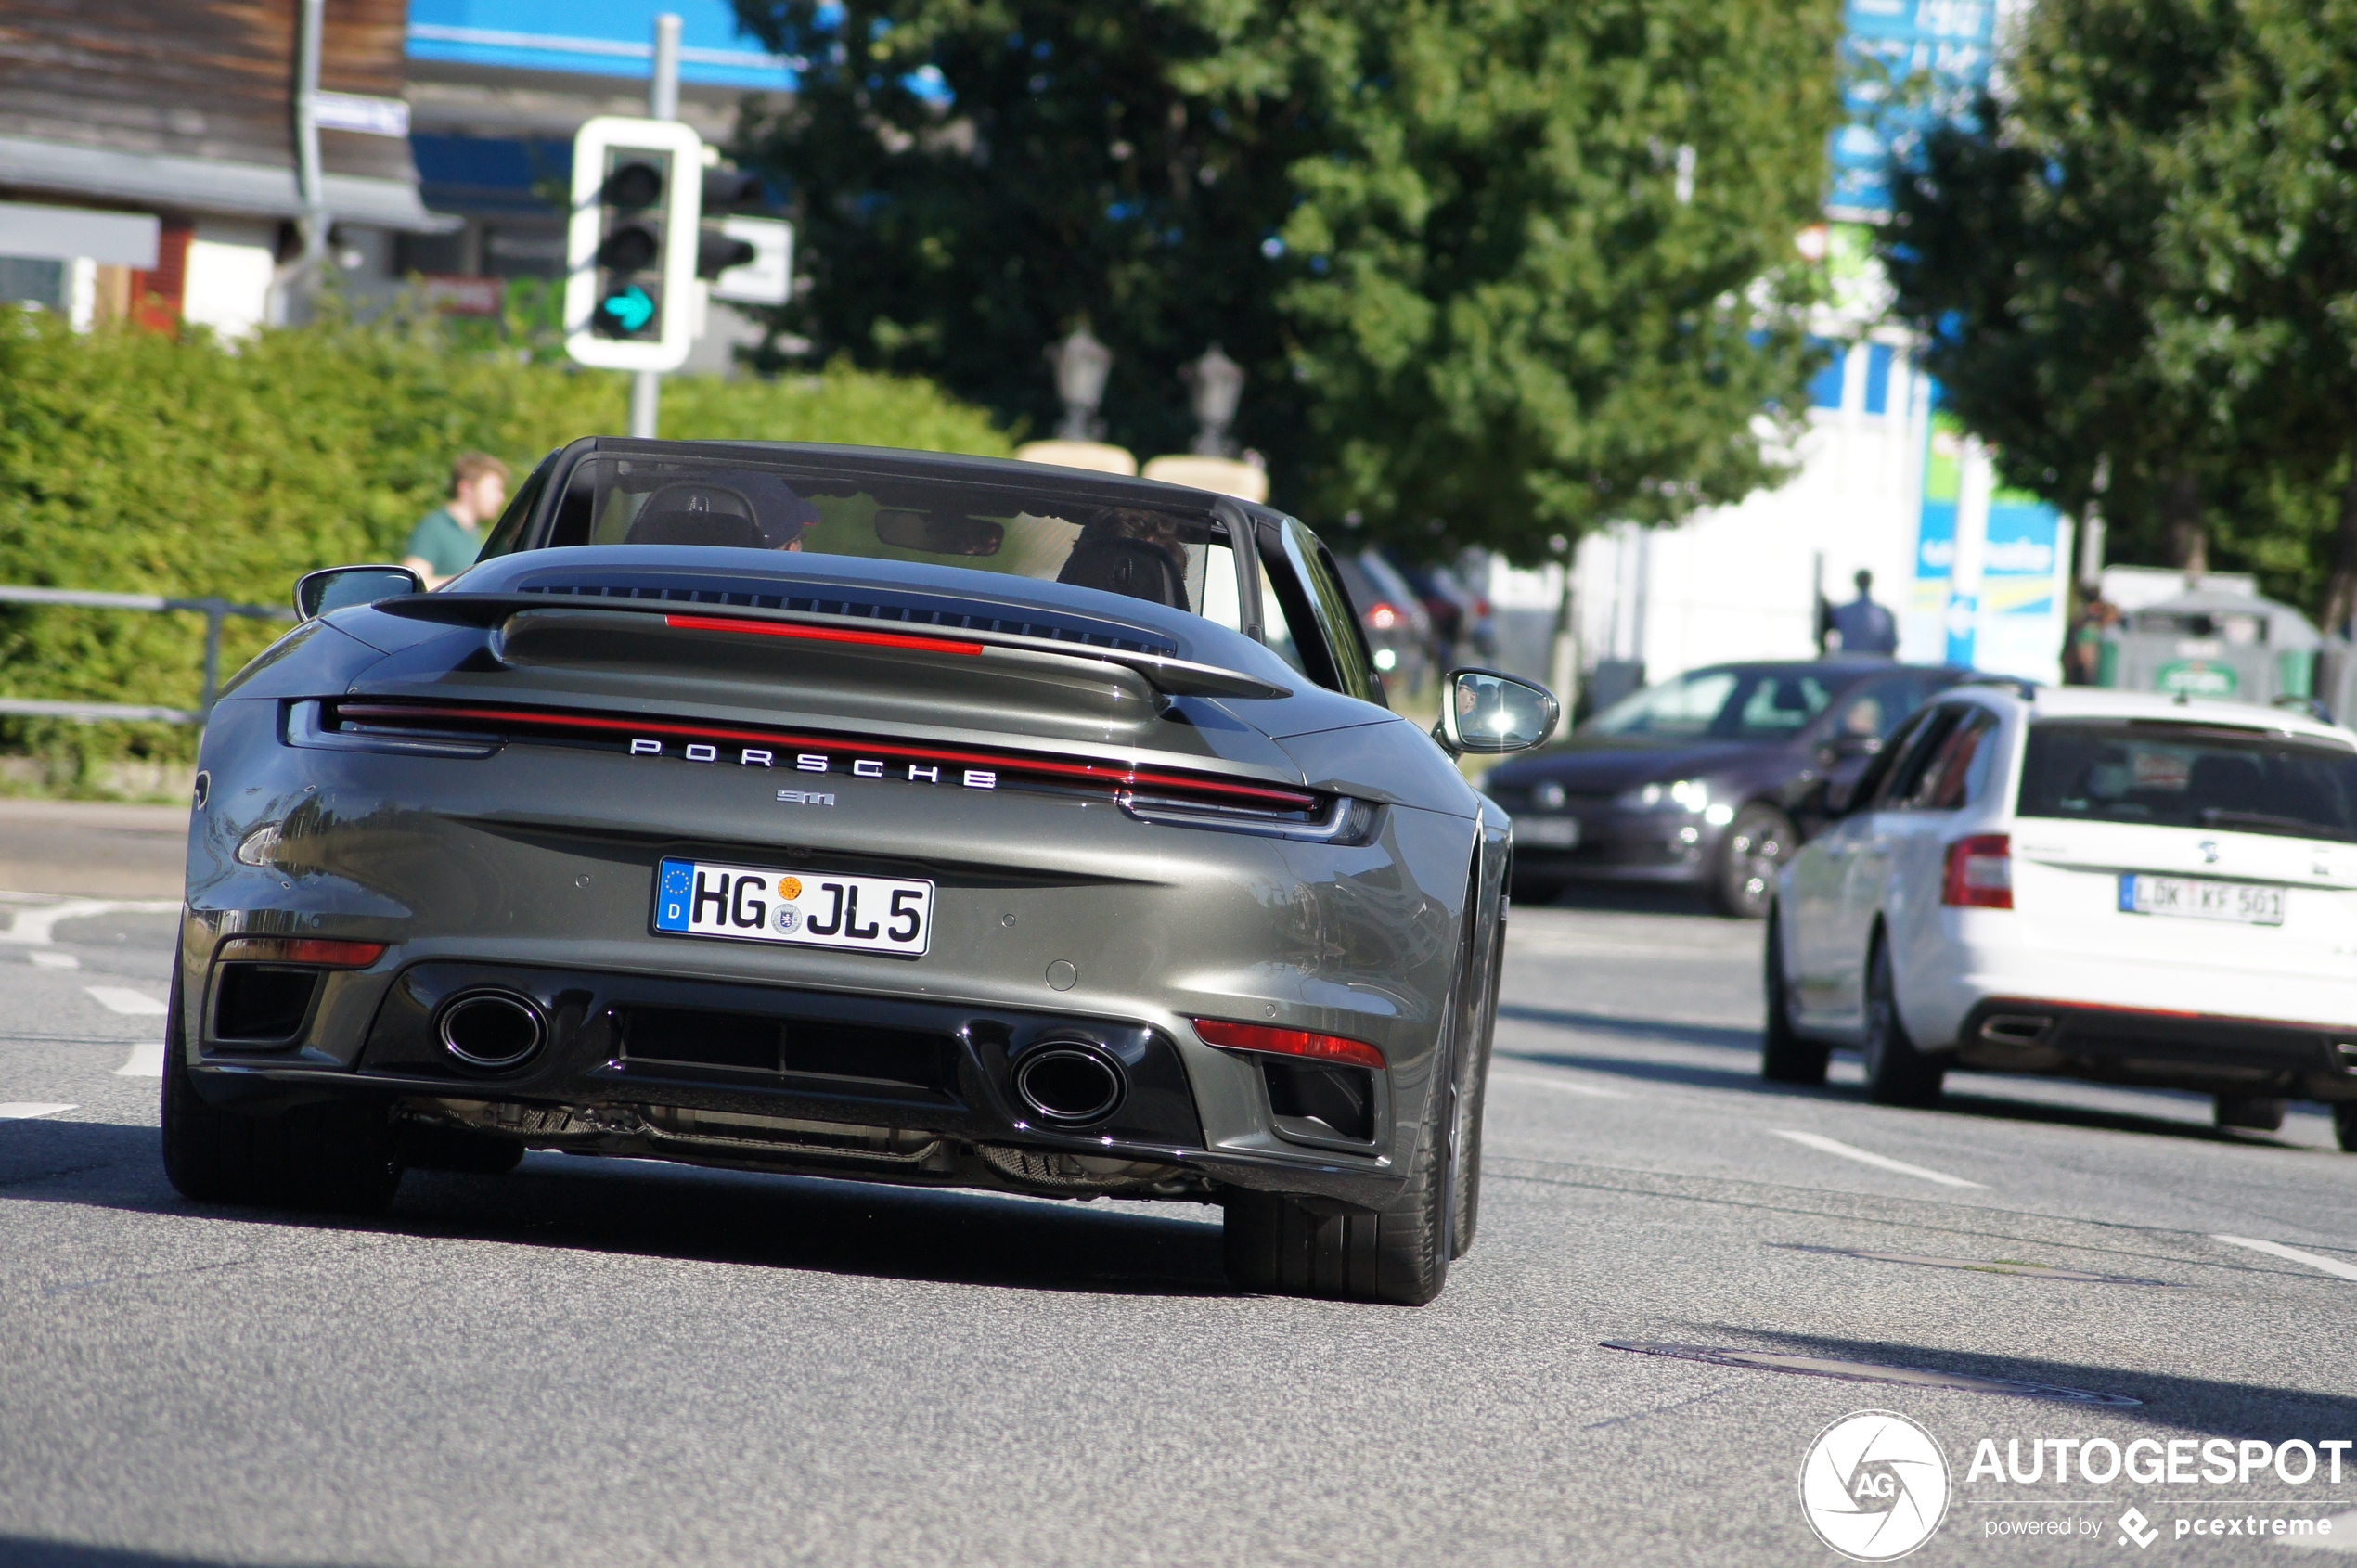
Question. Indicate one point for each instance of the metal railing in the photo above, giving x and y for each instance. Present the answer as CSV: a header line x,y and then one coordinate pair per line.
x,y
214,611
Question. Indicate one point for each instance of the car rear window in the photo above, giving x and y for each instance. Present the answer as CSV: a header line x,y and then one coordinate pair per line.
x,y
670,500
2189,776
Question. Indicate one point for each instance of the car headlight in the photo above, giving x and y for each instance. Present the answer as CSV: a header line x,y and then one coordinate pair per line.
x,y
1687,794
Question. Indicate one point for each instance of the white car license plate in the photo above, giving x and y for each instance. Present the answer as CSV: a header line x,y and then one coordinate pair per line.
x,y
1548,832
2196,899
802,909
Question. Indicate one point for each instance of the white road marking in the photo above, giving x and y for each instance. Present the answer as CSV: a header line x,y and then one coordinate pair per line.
x,y
118,998
1556,1084
146,1061
1882,1161
42,959
20,1110
37,926
2334,1266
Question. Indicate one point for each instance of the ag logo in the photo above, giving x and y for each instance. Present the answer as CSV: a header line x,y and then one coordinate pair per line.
x,y
1874,1486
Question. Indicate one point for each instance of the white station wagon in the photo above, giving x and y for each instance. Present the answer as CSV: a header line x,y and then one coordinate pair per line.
x,y
2097,884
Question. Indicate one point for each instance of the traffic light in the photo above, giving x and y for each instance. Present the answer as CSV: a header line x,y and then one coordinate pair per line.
x,y
631,248
717,249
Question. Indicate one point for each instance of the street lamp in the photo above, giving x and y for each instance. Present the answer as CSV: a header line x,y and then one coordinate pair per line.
x,y
1216,384
1082,364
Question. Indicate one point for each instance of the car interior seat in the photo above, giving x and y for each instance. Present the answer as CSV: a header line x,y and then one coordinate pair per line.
x,y
2221,781
1131,567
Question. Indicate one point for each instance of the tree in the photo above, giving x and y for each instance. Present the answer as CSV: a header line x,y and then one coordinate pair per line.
x,y
2148,253
2261,241
1503,267
2024,246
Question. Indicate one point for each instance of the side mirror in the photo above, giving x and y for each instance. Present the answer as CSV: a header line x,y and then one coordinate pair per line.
x,y
339,587
1484,712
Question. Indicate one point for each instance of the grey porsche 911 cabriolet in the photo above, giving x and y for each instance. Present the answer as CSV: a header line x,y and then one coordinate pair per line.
x,y
859,813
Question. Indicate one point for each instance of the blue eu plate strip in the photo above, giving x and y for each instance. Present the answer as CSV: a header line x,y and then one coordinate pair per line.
x,y
673,888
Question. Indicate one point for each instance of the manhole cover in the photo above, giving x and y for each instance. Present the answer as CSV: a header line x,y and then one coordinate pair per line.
x,y
1999,1265
1866,1371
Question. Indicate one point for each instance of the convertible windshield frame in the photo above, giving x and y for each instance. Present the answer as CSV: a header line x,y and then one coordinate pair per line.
x,y
559,506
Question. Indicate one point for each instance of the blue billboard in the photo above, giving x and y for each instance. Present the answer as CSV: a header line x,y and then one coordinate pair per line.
x,y
1910,64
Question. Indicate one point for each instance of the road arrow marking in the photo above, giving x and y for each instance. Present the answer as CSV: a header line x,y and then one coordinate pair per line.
x,y
117,998
1880,1161
2334,1266
146,1061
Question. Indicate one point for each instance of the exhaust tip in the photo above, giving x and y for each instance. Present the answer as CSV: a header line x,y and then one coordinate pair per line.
x,y
2016,1029
1070,1082
491,1028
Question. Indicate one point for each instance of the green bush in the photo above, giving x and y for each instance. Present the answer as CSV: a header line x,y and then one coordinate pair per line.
x,y
139,463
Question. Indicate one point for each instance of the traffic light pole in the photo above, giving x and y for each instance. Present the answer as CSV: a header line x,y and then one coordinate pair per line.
x,y
662,103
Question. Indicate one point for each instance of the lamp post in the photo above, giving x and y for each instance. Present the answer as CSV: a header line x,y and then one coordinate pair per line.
x,y
1216,384
1082,364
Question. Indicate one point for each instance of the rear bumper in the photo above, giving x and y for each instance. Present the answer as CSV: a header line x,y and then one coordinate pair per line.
x,y
2207,1053
766,1077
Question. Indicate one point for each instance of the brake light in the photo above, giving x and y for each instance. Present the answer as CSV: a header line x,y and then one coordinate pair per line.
x,y
1980,873
1383,617
324,951
1288,1042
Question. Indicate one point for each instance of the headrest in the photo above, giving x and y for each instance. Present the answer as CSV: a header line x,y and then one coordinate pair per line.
x,y
1129,567
696,528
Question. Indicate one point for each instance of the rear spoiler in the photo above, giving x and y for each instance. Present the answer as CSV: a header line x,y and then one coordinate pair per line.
x,y
1175,677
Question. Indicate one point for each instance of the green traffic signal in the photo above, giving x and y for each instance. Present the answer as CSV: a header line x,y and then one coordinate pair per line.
x,y
624,313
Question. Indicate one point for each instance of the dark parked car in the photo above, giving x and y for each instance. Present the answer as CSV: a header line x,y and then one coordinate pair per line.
x,y
1709,781
1399,634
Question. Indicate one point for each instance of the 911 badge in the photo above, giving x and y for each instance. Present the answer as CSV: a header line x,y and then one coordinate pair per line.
x,y
759,903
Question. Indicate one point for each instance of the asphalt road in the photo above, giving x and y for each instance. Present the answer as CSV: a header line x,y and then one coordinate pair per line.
x,y
610,1362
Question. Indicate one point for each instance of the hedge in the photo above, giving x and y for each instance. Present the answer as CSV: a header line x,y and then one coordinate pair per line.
x,y
135,462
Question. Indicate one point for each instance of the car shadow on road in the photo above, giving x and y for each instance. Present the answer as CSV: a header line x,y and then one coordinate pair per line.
x,y
1742,1077
2183,1404
647,1209
28,1551
1629,898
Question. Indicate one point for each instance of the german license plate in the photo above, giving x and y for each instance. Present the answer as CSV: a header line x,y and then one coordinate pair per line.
x,y
801,910
2194,898
1548,832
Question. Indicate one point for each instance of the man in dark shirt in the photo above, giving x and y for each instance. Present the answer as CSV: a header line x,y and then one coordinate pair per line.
x,y
1863,626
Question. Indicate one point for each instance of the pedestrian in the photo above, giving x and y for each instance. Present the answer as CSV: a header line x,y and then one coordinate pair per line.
x,y
1865,626
446,539
2083,650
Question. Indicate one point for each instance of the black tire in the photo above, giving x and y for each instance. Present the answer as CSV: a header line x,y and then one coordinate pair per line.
x,y
1897,1073
2251,1115
1293,1244
336,1157
424,1147
1784,1056
1754,849
2345,1125
1472,1099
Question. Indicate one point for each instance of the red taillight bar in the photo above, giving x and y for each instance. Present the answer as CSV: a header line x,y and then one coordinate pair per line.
x,y
327,952
820,634
1105,774
1288,1042
1979,873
